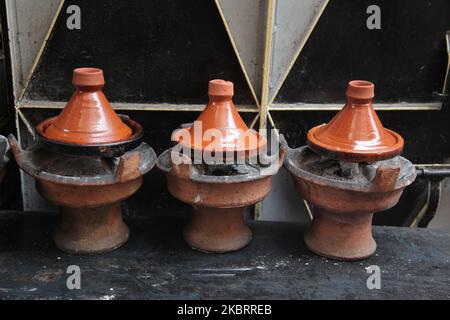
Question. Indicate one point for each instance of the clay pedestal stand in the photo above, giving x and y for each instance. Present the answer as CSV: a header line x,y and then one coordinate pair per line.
x,y
219,194
218,202
87,160
350,170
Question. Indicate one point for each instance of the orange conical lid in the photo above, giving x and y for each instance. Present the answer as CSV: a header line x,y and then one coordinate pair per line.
x,y
222,128
356,134
88,118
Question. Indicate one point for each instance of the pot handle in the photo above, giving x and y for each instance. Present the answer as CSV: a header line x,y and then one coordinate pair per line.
x,y
182,170
284,148
385,179
16,150
4,150
129,167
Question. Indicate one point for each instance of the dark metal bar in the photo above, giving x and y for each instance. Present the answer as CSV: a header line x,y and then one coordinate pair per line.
x,y
433,171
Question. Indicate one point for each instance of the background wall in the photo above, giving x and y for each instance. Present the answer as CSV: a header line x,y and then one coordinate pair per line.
x,y
290,61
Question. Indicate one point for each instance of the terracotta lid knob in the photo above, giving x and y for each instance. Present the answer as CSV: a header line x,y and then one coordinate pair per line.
x,y
219,87
88,77
360,89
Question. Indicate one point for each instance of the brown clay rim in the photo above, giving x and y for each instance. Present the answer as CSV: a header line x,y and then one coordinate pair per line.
x,y
164,164
406,177
360,89
88,76
148,161
346,152
219,87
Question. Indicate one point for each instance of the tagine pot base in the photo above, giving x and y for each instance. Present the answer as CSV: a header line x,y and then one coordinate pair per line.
x,y
218,201
217,230
345,198
89,191
91,216
91,231
341,236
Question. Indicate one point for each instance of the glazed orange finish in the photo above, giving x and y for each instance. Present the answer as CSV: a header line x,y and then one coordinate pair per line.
x,y
356,134
88,118
220,113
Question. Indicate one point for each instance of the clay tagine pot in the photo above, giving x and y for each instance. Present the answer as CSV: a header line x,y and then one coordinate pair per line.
x,y
86,161
88,124
356,134
220,115
88,118
350,170
219,193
